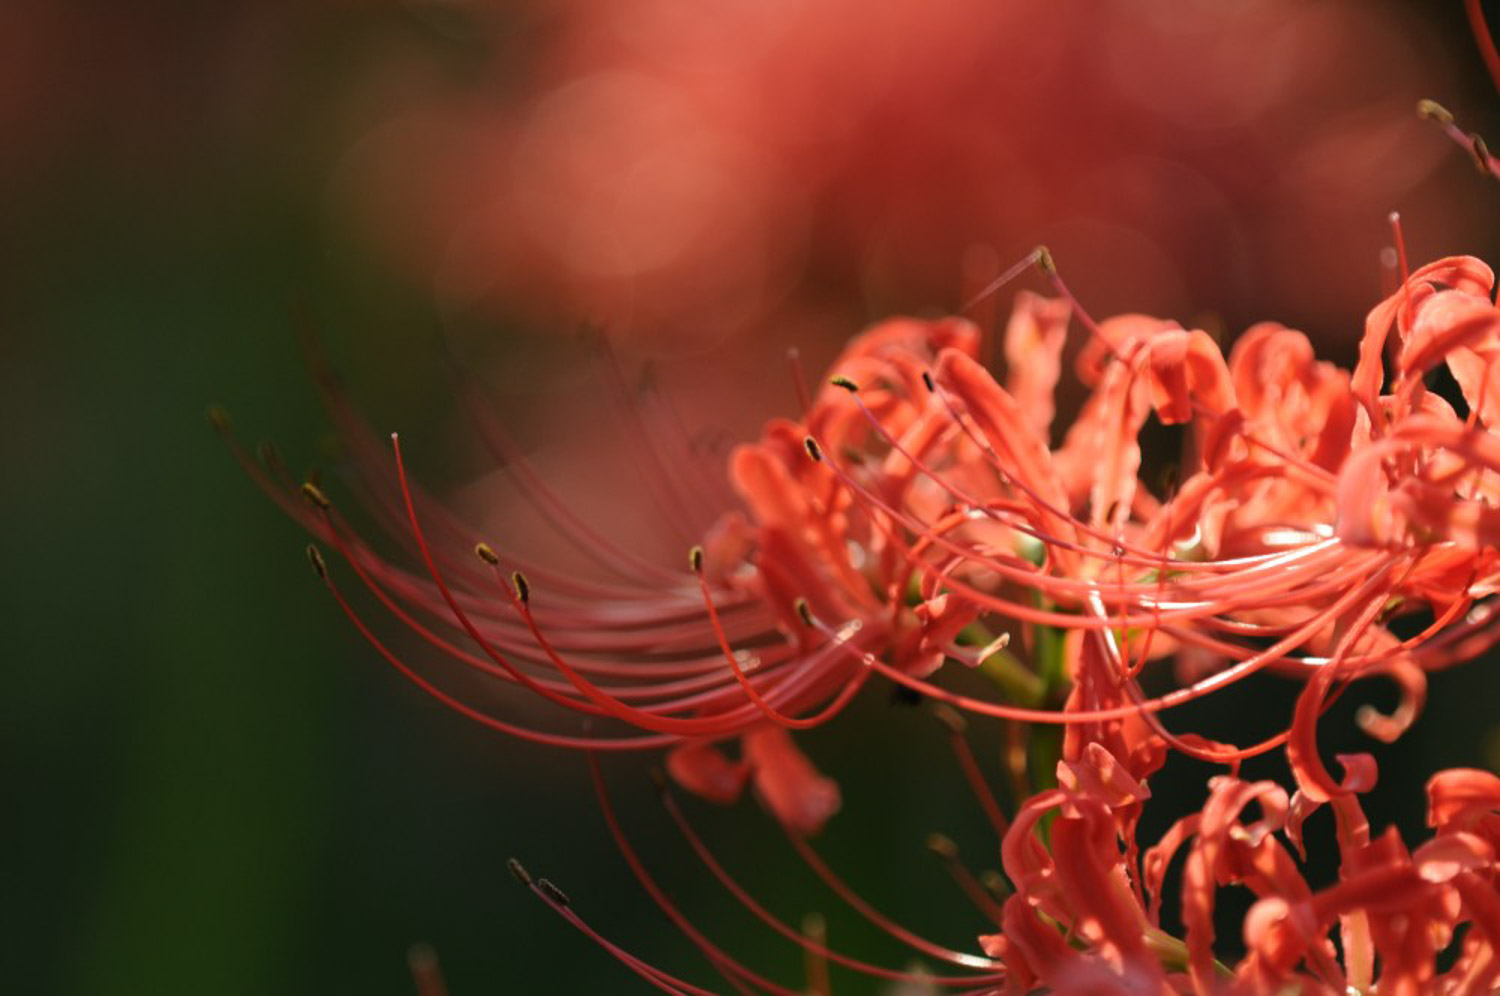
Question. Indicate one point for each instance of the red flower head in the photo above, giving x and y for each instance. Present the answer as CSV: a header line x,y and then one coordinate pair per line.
x,y
918,518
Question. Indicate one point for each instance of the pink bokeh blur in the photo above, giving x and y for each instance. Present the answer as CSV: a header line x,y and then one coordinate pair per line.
x,y
684,178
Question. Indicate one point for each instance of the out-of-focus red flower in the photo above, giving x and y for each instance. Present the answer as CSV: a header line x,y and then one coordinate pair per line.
x,y
681,176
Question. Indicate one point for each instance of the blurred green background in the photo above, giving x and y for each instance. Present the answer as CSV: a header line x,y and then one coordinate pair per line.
x,y
212,785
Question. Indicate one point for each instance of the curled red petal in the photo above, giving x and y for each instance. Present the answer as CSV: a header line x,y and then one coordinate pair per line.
x,y
702,769
1100,775
1034,339
1362,500
1446,855
1187,367
1444,322
1412,682
1458,795
797,794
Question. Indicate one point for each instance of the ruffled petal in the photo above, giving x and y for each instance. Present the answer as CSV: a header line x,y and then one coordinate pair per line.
x,y
801,798
702,769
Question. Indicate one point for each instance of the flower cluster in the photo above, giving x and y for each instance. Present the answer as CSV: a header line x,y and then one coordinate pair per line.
x,y
919,518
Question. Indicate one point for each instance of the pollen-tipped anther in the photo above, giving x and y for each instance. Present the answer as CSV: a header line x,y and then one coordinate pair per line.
x,y
951,718
695,559
929,382
1044,261
995,883
319,565
522,586
552,892
315,494
1431,110
519,871
218,418
486,553
813,449
1480,151
943,846
841,381
804,612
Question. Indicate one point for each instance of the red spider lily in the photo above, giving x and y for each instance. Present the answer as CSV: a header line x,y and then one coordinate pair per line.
x,y
916,518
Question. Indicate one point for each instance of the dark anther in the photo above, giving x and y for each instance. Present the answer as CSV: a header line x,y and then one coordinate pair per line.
x,y
804,612
519,871
942,846
1481,152
951,718
552,892
315,494
1044,261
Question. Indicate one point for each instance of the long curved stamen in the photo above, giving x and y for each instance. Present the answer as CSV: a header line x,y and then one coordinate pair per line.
x,y
1030,577
1051,541
371,465
856,902
1145,558
749,902
1016,269
730,719
595,702
1481,29
1160,703
842,699
468,711
559,903
462,617
732,970
969,765
566,522
946,851
479,664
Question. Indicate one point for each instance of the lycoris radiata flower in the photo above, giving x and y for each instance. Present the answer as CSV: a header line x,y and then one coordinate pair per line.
x,y
916,518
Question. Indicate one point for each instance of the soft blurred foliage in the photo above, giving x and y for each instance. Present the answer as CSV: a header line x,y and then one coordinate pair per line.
x,y
212,785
